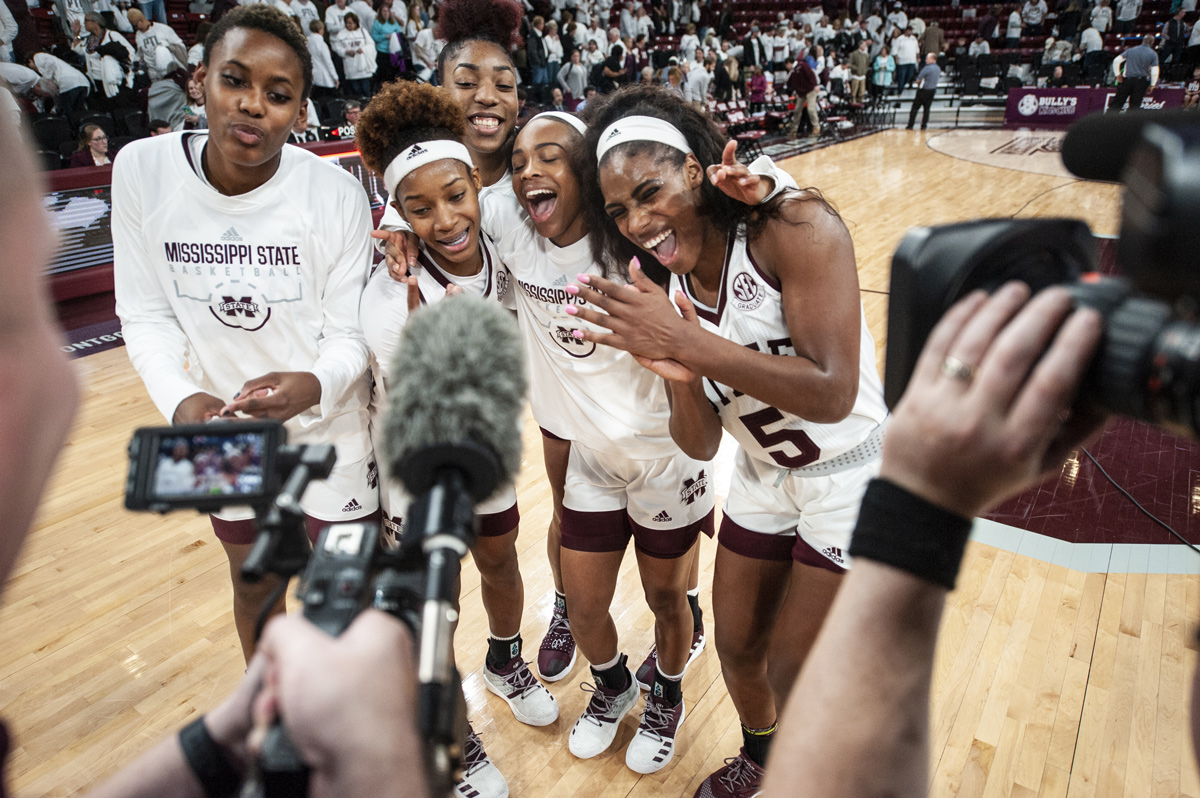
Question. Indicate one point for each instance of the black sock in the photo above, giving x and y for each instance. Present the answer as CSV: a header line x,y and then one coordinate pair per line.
x,y
758,742
502,652
614,678
670,690
697,615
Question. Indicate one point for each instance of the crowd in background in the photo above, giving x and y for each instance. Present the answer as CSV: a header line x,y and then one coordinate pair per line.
x,y
118,56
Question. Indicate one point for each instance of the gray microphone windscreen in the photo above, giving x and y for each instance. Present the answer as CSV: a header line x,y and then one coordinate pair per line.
x,y
458,377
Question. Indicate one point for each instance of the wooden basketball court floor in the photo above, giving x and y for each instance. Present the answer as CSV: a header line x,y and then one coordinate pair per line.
x,y
1049,681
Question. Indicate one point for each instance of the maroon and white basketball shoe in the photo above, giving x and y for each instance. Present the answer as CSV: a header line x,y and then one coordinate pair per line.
x,y
557,654
481,777
653,744
740,778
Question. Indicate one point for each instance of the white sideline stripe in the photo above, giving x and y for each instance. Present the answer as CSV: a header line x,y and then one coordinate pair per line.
x,y
1089,558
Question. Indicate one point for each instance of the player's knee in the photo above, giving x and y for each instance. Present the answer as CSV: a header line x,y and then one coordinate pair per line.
x,y
739,651
497,563
668,604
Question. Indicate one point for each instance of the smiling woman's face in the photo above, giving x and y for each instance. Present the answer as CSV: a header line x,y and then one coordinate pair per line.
x,y
481,78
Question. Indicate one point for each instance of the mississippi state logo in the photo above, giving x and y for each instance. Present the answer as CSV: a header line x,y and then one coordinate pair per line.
x,y
1028,105
575,347
501,283
747,295
241,313
372,475
693,488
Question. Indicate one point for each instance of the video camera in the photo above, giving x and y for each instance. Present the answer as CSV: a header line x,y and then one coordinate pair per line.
x,y
1148,363
220,464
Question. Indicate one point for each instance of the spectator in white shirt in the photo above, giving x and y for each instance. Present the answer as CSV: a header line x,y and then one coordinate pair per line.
x,y
159,47
306,11
325,78
688,43
1012,33
8,32
68,85
335,16
1127,14
979,47
1102,17
1032,14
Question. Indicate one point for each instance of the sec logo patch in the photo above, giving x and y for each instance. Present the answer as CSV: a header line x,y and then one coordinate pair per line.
x,y
747,294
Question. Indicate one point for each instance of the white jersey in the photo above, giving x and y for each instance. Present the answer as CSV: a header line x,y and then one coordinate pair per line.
x,y
597,395
213,291
749,312
384,313
384,307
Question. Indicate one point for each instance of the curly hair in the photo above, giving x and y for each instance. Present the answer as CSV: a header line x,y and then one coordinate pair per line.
x,y
460,22
727,215
270,20
400,115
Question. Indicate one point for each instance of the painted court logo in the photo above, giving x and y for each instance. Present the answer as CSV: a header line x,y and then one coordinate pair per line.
x,y
746,293
693,488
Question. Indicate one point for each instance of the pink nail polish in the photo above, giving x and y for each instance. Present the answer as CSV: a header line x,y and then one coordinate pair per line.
x,y
572,289
577,333
637,262
570,310
583,278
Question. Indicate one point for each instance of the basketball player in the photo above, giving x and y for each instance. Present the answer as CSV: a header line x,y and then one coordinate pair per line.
x,y
772,345
410,133
239,265
476,67
625,478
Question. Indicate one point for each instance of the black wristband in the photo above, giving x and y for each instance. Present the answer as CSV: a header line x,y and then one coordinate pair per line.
x,y
900,529
208,763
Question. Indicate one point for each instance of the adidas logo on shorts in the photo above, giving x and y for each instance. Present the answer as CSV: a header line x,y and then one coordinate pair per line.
x,y
351,506
835,554
231,235
662,517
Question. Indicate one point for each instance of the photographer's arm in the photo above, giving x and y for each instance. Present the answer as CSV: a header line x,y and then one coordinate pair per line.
x,y
857,720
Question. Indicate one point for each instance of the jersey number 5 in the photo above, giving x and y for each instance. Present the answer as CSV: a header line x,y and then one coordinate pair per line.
x,y
756,423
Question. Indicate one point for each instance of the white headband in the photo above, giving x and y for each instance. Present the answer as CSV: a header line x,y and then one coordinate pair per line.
x,y
570,119
641,128
419,154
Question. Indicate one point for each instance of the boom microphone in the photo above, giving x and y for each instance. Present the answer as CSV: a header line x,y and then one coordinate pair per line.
x,y
451,435
457,399
1098,146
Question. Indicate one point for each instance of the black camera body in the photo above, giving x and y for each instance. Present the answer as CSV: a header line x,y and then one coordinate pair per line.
x,y
1148,363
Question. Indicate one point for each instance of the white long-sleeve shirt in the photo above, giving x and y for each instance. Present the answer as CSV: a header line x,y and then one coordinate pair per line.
x,y
152,49
213,291
8,31
335,19
324,75
357,50
65,76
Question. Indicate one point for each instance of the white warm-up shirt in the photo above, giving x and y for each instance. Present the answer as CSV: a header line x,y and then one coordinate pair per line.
x,y
213,291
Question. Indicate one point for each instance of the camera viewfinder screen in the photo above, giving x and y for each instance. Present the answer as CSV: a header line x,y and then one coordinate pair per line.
x,y
209,465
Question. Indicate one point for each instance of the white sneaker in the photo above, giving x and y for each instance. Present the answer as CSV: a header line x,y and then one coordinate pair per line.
x,y
653,744
531,703
481,777
596,728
